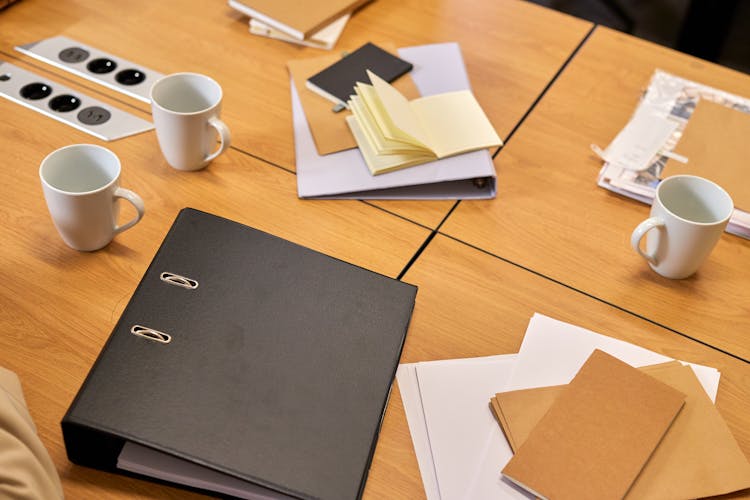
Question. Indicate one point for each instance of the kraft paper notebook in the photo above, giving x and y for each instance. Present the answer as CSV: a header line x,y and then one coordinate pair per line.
x,y
297,18
277,371
715,143
598,434
437,68
697,458
329,129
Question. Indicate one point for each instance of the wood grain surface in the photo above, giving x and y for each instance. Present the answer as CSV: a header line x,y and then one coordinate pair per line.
x,y
58,306
550,216
471,303
552,242
511,49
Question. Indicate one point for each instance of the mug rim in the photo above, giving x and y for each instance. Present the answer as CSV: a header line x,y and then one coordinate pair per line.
x,y
164,78
675,178
111,154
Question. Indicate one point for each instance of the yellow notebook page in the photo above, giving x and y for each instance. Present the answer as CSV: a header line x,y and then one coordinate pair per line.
x,y
455,122
379,164
393,104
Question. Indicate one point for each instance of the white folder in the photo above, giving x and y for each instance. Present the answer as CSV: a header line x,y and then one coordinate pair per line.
x,y
438,68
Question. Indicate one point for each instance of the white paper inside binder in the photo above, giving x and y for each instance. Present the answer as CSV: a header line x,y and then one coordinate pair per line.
x,y
149,462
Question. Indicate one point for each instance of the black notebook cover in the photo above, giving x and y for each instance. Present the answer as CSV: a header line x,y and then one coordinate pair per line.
x,y
338,79
278,370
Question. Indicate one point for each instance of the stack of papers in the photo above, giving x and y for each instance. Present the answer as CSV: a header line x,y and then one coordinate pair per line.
x,y
326,38
393,132
597,434
442,396
314,24
681,126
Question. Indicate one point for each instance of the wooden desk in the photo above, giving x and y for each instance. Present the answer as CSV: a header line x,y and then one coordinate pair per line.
x,y
551,217
512,50
58,306
520,49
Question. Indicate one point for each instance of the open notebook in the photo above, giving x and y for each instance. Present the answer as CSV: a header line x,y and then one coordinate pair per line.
x,y
393,132
438,68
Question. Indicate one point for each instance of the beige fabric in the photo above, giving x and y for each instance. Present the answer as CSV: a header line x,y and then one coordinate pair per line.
x,y
26,470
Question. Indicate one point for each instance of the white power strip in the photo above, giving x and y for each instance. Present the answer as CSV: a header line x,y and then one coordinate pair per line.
x,y
93,64
67,105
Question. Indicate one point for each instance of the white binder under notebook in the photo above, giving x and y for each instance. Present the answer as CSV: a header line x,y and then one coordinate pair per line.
x,y
438,68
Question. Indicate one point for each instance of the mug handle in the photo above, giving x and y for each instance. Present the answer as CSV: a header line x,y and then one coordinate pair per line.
x,y
638,234
136,201
224,136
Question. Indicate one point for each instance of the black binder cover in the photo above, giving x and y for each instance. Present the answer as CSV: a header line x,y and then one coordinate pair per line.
x,y
278,371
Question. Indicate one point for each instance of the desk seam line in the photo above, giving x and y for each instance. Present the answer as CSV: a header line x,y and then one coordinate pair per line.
x,y
389,212
598,299
253,155
366,202
424,245
513,130
546,88
531,108
417,254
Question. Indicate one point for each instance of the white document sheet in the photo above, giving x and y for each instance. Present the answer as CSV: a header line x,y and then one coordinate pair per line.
x,y
639,142
438,68
408,386
459,445
553,351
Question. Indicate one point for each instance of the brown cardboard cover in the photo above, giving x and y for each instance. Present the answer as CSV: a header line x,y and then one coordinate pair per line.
x,y
329,129
715,141
519,411
698,456
598,433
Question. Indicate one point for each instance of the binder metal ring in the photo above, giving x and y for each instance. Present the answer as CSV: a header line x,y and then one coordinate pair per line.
x,y
151,334
177,280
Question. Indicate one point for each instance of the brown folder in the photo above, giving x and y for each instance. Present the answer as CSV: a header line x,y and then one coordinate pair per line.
x,y
329,129
698,456
598,433
715,142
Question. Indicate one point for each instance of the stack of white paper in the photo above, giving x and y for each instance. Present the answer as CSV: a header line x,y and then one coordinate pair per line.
x,y
326,38
459,445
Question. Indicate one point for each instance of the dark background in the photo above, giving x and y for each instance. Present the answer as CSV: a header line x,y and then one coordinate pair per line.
x,y
717,30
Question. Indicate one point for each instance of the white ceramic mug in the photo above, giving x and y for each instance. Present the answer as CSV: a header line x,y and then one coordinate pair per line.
x,y
186,109
81,185
688,217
